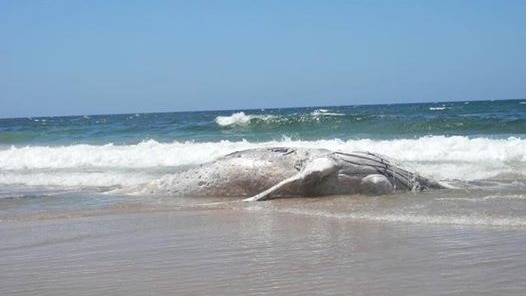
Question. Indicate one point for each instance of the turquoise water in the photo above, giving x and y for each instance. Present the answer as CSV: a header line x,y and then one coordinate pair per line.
x,y
493,119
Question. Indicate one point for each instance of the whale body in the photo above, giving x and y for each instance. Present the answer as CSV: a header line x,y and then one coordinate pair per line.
x,y
267,173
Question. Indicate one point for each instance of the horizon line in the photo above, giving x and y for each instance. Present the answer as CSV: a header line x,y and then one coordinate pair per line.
x,y
266,108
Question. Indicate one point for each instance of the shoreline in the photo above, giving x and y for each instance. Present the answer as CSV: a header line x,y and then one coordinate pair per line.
x,y
235,251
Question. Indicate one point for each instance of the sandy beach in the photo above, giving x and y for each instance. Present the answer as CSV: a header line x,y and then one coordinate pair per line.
x,y
254,250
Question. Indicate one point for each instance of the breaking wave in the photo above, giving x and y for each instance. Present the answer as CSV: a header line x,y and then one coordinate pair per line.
x,y
242,119
239,118
325,112
439,157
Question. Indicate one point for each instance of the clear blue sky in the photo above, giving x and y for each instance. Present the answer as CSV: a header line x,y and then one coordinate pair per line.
x,y
92,57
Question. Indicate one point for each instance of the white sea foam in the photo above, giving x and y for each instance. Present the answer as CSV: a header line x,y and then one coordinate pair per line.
x,y
242,119
473,219
238,118
325,112
76,179
439,157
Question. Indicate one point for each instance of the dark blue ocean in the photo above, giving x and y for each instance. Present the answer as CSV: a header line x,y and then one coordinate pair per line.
x,y
490,119
79,162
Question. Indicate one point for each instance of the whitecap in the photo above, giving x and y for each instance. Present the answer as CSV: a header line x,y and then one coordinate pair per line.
x,y
325,112
238,118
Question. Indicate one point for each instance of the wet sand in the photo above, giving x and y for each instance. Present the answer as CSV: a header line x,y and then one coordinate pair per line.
x,y
255,251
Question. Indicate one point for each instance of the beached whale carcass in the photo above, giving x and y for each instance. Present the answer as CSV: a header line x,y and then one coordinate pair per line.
x,y
267,173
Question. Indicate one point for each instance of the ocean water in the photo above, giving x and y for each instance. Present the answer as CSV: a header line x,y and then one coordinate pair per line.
x,y
68,224
479,146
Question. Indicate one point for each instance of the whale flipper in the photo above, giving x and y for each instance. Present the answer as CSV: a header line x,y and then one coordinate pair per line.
x,y
310,175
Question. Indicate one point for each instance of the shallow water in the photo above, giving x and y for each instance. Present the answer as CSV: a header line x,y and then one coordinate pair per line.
x,y
279,247
453,242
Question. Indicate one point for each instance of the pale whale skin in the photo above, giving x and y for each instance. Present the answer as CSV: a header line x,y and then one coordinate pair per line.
x,y
267,173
